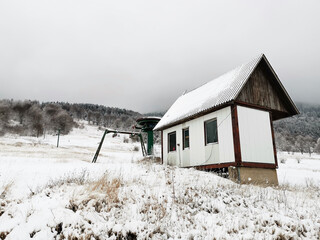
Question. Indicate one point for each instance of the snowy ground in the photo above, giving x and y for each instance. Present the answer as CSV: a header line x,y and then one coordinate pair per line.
x,y
57,193
299,169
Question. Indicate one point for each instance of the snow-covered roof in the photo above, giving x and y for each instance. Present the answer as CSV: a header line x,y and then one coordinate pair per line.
x,y
212,94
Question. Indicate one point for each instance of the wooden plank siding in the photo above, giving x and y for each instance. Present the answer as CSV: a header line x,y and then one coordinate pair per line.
x,y
262,90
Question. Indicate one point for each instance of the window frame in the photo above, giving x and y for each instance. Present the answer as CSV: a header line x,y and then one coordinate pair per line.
x,y
205,131
183,138
170,134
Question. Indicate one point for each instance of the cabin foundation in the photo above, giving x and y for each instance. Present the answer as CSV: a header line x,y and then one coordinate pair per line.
x,y
251,175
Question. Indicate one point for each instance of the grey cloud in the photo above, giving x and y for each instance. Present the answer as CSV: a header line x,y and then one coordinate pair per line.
x,y
142,55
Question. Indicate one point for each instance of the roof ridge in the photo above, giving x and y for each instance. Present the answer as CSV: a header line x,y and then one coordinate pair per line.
x,y
259,56
215,92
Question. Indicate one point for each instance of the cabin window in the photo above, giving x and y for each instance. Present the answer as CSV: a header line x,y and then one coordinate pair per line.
x,y
185,136
172,140
211,131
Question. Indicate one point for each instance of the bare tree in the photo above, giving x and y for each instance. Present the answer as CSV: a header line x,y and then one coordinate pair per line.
x,y
21,108
63,122
317,147
4,116
35,120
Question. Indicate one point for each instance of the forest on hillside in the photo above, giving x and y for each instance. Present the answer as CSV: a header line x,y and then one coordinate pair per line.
x,y
32,118
299,133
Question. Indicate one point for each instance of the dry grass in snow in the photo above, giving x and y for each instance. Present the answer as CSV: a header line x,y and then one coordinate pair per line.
x,y
160,202
50,193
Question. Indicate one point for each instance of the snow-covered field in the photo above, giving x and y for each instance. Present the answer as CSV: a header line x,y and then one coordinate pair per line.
x,y
299,169
57,193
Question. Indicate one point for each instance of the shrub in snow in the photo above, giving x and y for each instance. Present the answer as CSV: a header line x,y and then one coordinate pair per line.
x,y
5,189
317,147
134,138
108,186
283,160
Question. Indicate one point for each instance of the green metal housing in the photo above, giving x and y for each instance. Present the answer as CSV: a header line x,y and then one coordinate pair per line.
x,y
147,124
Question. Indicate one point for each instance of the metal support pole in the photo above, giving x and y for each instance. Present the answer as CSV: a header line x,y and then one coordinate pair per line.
x,y
100,145
58,138
150,142
143,149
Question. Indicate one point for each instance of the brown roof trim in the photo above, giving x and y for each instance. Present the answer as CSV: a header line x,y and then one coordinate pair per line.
x,y
276,113
282,87
194,116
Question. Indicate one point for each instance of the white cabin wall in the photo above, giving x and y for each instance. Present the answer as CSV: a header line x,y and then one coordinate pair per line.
x,y
199,154
196,135
255,136
172,158
225,150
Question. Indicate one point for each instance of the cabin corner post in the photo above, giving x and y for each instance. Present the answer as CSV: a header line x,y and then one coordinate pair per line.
x,y
236,136
273,142
162,146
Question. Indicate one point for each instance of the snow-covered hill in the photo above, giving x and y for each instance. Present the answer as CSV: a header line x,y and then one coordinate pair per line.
x,y
57,193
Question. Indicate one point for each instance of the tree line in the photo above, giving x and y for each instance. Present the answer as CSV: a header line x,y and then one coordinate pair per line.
x,y
300,133
33,118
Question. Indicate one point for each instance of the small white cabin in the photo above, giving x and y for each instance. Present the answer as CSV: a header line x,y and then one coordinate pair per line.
x,y
227,123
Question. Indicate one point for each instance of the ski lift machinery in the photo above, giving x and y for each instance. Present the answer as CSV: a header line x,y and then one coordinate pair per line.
x,y
145,124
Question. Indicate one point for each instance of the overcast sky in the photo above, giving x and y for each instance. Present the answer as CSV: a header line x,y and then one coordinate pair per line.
x,y
143,54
